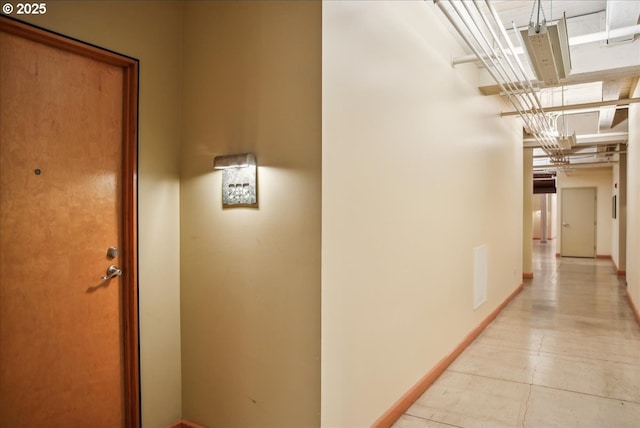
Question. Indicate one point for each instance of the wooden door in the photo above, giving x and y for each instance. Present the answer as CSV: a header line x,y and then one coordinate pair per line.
x,y
578,212
68,338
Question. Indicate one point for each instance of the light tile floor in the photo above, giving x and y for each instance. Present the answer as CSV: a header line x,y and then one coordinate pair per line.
x,y
564,353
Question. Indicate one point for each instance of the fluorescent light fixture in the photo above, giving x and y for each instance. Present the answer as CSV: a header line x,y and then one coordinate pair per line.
x,y
242,160
548,49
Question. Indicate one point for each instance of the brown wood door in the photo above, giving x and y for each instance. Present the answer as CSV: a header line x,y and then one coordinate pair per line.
x,y
67,169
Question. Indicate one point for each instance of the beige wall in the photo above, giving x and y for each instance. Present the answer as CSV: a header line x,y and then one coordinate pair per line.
x,y
251,277
615,223
527,211
150,32
633,200
554,215
602,180
418,170
619,224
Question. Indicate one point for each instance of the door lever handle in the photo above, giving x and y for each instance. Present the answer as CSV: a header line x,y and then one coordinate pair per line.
x,y
565,224
112,271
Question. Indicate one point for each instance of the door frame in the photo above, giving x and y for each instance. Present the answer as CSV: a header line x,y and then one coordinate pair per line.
x,y
129,280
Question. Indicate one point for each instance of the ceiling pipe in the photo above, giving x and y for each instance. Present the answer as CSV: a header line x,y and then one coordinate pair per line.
x,y
519,99
619,103
542,133
604,35
589,140
464,59
569,167
584,155
527,92
573,41
479,31
483,58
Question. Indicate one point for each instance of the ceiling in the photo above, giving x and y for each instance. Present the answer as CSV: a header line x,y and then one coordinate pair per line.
x,y
603,68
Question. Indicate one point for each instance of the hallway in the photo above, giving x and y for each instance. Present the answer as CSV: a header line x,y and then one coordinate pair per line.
x,y
564,353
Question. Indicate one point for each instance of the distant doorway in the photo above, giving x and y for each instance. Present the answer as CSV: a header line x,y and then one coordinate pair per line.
x,y
578,224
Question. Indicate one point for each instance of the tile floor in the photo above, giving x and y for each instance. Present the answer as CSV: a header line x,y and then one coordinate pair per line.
x,y
564,353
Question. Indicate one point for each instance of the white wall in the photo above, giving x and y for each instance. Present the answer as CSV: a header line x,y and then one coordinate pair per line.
x,y
602,180
538,201
418,170
554,215
633,200
151,32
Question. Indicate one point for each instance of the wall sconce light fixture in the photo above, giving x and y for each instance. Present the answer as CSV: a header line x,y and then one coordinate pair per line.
x,y
239,184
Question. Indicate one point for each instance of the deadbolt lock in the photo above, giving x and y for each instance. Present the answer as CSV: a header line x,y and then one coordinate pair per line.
x,y
112,252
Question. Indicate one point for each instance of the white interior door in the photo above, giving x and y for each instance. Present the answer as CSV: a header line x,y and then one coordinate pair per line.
x,y
578,226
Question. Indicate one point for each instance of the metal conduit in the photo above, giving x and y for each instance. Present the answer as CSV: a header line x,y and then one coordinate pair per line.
x,y
530,96
573,41
485,45
502,71
485,42
503,79
530,92
538,110
483,59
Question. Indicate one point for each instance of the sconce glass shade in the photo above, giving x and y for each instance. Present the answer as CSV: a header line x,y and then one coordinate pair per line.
x,y
239,179
234,161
